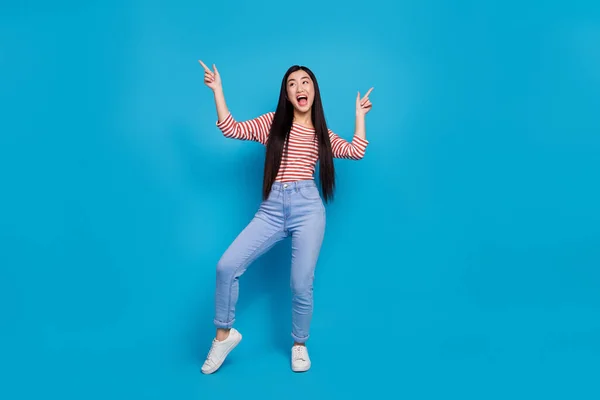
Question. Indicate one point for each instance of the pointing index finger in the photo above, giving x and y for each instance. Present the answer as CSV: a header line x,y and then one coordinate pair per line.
x,y
204,66
369,92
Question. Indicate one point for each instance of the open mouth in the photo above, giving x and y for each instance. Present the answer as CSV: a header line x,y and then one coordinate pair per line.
x,y
302,100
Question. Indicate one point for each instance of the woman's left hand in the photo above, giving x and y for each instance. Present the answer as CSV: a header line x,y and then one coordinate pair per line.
x,y
363,106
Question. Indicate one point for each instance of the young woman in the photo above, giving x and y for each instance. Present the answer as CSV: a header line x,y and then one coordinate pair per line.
x,y
296,137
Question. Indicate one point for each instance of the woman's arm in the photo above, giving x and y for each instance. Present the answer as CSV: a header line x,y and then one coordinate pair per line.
x,y
213,81
256,129
360,130
222,110
363,106
356,149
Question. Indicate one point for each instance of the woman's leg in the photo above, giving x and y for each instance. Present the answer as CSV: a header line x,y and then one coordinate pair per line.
x,y
307,228
256,239
260,235
306,224
307,238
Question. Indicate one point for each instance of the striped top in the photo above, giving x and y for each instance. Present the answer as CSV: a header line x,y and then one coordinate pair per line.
x,y
303,151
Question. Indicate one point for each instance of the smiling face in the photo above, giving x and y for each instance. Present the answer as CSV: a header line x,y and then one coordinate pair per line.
x,y
300,91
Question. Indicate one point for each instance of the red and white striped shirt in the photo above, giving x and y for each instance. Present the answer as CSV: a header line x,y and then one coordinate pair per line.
x,y
303,151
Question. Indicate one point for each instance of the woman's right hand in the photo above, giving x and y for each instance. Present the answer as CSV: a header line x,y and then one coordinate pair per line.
x,y
211,79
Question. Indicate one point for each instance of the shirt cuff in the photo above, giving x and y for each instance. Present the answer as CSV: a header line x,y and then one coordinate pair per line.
x,y
225,121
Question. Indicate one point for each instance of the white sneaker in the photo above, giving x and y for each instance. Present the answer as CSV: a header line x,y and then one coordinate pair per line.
x,y
300,359
219,351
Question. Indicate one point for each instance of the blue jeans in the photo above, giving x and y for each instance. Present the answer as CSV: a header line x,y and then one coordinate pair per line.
x,y
293,210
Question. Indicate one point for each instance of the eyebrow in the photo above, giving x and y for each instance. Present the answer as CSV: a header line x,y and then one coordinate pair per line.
x,y
304,77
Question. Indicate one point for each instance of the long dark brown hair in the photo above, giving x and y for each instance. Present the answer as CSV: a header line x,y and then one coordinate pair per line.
x,y
280,131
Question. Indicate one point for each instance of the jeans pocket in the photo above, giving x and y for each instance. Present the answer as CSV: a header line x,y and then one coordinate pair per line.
x,y
310,193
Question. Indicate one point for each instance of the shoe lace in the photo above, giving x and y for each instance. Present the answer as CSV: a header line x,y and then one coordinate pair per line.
x,y
211,351
299,353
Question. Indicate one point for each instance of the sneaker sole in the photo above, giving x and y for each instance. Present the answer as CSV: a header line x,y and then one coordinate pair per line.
x,y
298,369
229,349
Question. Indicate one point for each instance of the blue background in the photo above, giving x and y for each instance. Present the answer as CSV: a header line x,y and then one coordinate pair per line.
x,y
462,254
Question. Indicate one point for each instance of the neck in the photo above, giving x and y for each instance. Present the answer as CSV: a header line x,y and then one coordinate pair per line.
x,y
303,118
